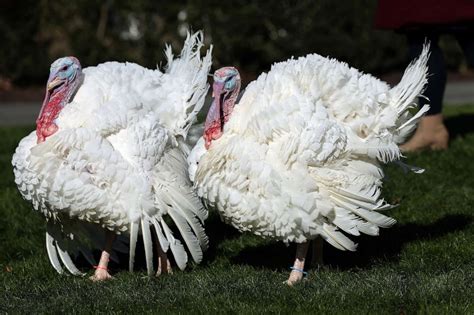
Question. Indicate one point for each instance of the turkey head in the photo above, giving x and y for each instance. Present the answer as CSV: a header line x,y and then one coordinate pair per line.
x,y
64,79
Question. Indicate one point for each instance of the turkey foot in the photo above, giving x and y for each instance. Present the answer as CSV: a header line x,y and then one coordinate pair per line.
x,y
100,274
297,271
101,271
164,265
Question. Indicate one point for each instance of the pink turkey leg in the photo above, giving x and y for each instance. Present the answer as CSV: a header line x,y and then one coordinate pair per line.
x,y
101,270
297,271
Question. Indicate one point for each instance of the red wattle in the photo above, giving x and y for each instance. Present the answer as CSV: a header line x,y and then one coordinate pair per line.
x,y
213,132
212,126
45,125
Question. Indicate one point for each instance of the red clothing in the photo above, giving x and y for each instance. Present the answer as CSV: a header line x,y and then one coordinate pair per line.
x,y
396,14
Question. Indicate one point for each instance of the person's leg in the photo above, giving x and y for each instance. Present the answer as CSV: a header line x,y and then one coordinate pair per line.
x,y
436,70
466,41
431,132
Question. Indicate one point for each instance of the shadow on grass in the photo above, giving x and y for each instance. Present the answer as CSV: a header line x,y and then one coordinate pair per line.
x,y
276,256
460,125
216,230
386,247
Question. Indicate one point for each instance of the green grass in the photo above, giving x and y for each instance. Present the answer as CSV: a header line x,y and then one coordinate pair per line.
x,y
424,264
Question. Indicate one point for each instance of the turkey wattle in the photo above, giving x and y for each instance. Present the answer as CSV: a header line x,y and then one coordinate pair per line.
x,y
299,156
108,157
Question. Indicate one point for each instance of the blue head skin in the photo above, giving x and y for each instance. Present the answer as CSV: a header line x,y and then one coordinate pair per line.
x,y
64,79
226,79
63,71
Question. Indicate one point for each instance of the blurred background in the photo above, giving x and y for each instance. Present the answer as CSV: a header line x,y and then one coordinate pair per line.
x,y
250,35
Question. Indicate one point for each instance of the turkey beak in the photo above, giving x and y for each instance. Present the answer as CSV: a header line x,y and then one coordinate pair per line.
x,y
54,83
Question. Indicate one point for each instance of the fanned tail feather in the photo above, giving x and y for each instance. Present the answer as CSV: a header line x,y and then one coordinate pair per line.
x,y
192,217
412,168
57,248
67,261
147,243
393,122
65,241
336,238
164,244
179,253
369,215
368,228
374,148
185,204
189,238
193,70
133,244
404,95
53,253
408,126
412,84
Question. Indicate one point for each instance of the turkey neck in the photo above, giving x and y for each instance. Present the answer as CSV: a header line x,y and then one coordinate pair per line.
x,y
219,113
53,103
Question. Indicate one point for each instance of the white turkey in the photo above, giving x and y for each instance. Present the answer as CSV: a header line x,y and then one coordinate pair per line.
x,y
108,157
299,155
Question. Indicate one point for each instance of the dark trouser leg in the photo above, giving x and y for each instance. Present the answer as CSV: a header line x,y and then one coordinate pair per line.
x,y
431,132
436,69
466,41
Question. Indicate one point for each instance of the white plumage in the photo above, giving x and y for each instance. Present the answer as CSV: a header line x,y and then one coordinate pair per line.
x,y
300,154
118,160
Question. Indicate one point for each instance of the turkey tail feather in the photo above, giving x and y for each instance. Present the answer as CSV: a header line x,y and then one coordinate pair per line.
x,y
147,243
193,71
67,261
404,95
53,253
179,253
189,238
133,244
164,244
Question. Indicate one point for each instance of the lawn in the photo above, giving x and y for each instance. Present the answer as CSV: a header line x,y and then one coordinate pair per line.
x,y
424,264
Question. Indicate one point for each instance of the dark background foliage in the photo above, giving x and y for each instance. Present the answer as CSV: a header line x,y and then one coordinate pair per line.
x,y
248,34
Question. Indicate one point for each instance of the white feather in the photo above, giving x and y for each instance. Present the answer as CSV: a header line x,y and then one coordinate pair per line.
x,y
53,253
189,238
176,247
164,244
338,237
301,153
148,245
67,261
133,244
120,145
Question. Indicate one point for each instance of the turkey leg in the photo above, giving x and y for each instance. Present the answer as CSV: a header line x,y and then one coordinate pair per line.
x,y
297,271
101,271
164,265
